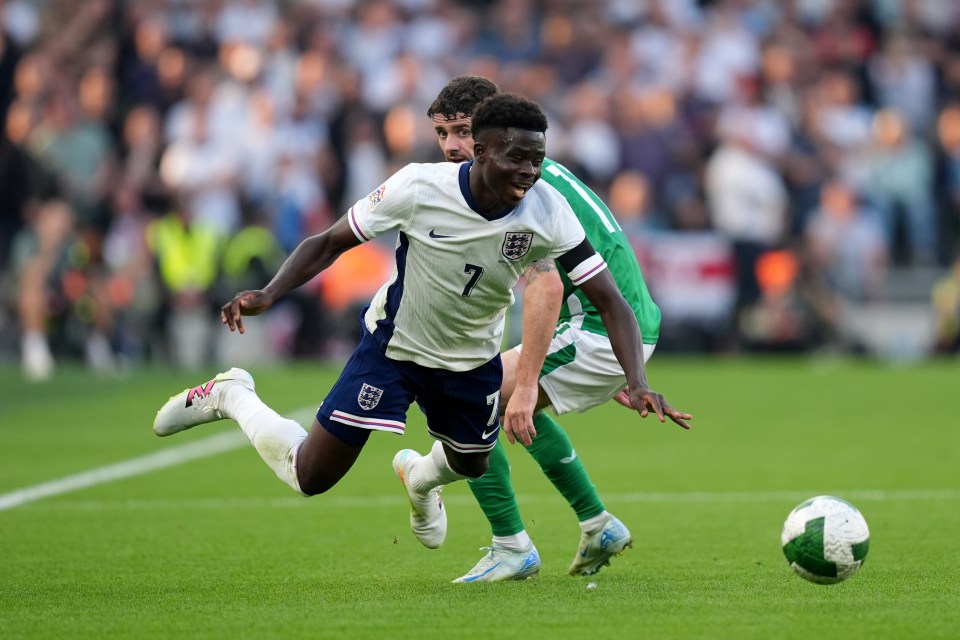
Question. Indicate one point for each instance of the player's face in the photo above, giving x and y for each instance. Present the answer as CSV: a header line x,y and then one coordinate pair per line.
x,y
507,164
454,136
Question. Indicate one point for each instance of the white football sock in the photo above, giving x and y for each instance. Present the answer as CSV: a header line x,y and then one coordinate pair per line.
x,y
432,470
592,524
518,541
276,439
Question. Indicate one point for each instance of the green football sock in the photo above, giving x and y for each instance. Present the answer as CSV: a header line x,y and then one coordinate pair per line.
x,y
554,453
495,495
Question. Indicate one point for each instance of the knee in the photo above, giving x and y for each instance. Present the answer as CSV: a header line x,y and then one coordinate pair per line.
x,y
322,460
312,480
312,484
471,465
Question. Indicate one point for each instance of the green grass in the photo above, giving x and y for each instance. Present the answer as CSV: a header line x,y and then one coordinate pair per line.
x,y
219,548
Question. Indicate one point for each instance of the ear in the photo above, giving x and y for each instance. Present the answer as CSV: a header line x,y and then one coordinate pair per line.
x,y
478,151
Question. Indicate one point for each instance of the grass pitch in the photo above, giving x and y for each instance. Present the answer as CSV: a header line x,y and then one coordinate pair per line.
x,y
216,547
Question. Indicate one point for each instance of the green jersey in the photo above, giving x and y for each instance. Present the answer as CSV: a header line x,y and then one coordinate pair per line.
x,y
612,244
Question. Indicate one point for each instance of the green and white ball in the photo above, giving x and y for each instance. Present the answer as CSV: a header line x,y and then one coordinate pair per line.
x,y
825,539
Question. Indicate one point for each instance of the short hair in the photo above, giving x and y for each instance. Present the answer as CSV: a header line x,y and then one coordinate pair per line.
x,y
508,110
461,96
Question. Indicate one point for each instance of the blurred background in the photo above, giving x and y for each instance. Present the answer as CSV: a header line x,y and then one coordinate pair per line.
x,y
788,171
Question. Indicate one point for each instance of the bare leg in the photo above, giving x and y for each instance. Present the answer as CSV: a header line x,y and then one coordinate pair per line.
x,y
323,459
472,465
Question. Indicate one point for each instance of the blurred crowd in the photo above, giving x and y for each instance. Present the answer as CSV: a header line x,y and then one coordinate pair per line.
x,y
771,160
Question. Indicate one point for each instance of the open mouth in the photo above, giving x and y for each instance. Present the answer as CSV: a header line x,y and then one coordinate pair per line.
x,y
520,188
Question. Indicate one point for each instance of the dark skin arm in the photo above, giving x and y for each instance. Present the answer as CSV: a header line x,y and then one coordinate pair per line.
x,y
626,341
311,256
541,307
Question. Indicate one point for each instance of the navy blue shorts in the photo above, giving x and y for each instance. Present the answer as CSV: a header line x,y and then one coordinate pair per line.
x,y
374,393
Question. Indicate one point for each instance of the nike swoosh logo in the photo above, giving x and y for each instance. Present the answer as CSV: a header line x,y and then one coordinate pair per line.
x,y
485,435
439,236
570,458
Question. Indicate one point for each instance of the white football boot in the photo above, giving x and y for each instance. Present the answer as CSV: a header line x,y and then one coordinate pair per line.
x,y
428,518
502,563
598,546
198,405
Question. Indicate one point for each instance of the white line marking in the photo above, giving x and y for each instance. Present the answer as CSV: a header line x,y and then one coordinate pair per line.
x,y
220,443
791,498
134,467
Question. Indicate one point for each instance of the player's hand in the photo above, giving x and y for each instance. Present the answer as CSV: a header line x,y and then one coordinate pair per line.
x,y
623,399
518,417
647,401
245,303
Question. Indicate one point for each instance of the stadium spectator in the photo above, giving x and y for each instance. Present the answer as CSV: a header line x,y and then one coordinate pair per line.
x,y
904,80
783,319
592,144
248,21
657,140
747,199
948,178
77,151
631,202
203,170
40,258
848,259
848,248
839,116
140,150
765,126
843,33
187,256
806,165
139,65
727,51
133,290
247,260
16,188
898,181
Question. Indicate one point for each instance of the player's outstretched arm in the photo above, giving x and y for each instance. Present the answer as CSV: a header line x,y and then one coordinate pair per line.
x,y
541,308
311,256
626,341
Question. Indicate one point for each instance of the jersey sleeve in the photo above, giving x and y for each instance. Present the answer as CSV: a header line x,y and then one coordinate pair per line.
x,y
583,270
582,263
568,233
575,253
390,206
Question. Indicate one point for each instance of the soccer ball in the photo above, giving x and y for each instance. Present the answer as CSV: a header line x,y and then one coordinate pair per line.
x,y
825,539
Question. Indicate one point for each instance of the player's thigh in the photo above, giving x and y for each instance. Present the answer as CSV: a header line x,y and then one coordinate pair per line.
x,y
463,409
510,358
323,459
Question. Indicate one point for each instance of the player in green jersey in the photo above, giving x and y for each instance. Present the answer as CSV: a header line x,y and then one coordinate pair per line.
x,y
580,370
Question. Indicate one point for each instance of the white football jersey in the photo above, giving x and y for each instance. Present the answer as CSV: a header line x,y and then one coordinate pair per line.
x,y
444,305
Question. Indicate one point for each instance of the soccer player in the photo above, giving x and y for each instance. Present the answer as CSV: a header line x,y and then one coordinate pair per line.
x,y
432,333
580,371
